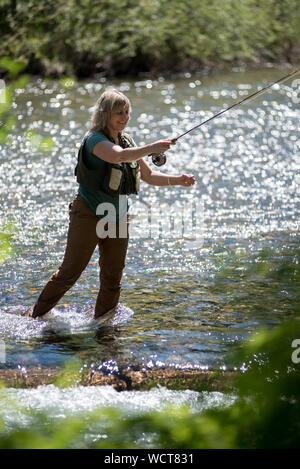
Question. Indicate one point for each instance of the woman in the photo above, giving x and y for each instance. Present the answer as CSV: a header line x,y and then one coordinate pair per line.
x,y
108,165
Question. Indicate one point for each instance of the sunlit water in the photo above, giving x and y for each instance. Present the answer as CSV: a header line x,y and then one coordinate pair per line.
x,y
172,311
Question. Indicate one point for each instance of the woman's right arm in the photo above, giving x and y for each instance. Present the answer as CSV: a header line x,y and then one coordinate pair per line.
x,y
113,153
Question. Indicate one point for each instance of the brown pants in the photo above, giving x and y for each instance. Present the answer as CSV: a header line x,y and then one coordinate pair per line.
x,y
81,243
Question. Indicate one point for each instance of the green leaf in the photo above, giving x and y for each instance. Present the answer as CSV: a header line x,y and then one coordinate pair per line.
x,y
13,67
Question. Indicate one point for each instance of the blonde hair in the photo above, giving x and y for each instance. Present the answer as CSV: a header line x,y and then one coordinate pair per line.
x,y
109,99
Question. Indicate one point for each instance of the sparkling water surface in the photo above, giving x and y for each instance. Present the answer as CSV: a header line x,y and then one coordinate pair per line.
x,y
186,301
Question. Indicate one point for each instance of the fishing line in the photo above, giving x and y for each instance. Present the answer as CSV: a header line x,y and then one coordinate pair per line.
x,y
160,159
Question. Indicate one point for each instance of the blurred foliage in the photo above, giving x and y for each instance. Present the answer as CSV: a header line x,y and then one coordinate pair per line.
x,y
13,70
16,80
67,82
36,141
70,375
7,231
82,37
265,414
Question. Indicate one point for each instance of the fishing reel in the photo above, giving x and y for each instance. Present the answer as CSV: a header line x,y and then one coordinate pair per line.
x,y
159,159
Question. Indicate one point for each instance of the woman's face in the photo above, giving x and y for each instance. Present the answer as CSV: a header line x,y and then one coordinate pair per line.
x,y
118,119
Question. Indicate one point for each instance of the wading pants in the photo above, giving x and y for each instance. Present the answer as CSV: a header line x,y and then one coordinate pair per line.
x,y
81,243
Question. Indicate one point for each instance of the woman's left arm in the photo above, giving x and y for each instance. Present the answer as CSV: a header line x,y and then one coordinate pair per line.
x,y
155,178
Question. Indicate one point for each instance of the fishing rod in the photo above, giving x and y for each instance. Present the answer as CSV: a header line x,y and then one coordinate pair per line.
x,y
160,159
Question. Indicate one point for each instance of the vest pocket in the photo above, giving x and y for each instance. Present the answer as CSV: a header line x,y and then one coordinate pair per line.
x,y
115,179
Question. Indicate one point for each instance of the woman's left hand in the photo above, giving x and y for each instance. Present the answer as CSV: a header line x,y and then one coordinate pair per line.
x,y
186,180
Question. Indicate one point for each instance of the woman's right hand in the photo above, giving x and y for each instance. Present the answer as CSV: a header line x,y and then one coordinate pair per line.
x,y
160,146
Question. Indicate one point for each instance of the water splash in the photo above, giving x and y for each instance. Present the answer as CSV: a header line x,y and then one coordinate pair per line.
x,y
14,323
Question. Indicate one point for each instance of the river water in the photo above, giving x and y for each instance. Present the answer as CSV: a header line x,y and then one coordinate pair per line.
x,y
82,402
186,299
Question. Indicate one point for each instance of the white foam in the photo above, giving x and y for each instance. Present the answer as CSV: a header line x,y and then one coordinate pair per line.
x,y
59,403
67,320
122,314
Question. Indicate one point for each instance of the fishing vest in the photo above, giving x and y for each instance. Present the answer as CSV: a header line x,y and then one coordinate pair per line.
x,y
112,178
